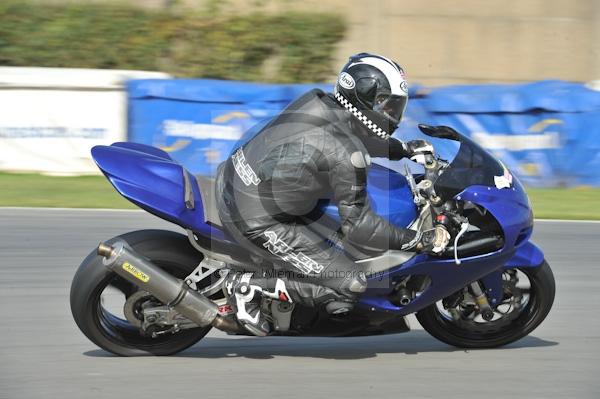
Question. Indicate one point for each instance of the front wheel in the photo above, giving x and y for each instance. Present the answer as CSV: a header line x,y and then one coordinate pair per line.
x,y
528,297
98,294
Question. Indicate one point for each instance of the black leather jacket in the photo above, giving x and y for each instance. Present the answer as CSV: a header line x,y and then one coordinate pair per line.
x,y
314,150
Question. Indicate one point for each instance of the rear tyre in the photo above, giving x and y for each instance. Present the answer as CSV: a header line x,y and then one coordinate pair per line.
x,y
475,333
170,251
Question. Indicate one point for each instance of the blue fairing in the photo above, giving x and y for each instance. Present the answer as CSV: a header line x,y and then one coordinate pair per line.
x,y
510,207
527,255
149,178
143,148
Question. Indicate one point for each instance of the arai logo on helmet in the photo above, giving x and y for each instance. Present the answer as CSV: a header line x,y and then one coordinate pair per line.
x,y
404,86
346,80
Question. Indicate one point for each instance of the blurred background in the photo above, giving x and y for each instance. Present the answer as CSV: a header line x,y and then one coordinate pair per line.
x,y
191,76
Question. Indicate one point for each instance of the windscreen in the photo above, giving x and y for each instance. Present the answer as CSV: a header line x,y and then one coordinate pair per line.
x,y
472,165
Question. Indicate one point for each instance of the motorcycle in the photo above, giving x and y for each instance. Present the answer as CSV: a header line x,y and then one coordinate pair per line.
x,y
491,286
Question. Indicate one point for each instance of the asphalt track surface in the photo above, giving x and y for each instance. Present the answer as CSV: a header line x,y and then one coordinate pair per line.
x,y
44,355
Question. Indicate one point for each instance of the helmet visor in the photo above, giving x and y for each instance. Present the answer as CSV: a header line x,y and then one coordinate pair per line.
x,y
391,105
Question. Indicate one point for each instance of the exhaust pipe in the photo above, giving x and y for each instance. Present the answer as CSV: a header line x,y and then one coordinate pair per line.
x,y
168,289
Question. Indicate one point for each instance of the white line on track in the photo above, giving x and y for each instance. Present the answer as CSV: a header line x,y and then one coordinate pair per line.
x,y
566,221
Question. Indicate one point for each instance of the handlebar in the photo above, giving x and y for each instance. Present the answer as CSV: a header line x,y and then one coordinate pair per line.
x,y
484,244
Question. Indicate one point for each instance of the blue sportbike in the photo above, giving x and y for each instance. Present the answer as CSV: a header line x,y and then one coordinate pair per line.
x,y
158,292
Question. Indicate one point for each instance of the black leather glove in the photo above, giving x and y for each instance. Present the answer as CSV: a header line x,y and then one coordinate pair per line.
x,y
434,241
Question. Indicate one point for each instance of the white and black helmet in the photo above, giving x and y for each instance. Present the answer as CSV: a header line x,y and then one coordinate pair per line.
x,y
374,89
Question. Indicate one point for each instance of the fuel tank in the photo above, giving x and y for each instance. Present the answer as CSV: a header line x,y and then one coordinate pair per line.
x,y
390,197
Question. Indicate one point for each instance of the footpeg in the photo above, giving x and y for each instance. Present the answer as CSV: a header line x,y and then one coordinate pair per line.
x,y
248,299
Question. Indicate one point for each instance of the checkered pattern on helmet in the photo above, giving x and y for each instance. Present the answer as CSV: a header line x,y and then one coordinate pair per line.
x,y
368,123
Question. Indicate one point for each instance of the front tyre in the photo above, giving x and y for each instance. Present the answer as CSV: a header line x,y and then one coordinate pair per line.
x,y
528,297
109,330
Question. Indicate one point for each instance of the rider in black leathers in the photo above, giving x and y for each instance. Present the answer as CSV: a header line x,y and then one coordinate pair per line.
x,y
318,149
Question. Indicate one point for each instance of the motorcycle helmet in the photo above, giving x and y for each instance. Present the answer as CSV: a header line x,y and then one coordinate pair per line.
x,y
374,89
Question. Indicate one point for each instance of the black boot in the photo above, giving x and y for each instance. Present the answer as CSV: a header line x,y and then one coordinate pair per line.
x,y
310,294
246,298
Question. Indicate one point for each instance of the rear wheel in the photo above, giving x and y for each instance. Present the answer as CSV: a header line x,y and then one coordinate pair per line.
x,y
528,297
98,296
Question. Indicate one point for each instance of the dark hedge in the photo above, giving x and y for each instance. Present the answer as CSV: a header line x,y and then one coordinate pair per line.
x,y
291,47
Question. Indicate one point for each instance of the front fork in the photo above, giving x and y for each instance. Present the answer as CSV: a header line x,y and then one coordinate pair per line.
x,y
479,296
482,301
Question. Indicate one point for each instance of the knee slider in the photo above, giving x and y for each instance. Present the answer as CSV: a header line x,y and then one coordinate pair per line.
x,y
337,307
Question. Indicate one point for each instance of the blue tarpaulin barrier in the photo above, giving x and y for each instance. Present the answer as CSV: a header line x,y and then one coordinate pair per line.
x,y
199,121
546,132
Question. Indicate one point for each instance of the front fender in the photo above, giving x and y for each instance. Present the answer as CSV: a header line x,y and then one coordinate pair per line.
x,y
527,255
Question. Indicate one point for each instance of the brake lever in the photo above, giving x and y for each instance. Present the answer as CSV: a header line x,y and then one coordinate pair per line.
x,y
463,229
